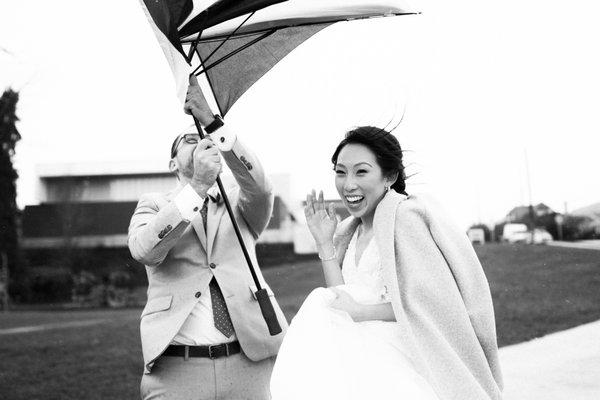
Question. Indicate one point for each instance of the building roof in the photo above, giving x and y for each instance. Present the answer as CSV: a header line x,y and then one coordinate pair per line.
x,y
57,170
592,211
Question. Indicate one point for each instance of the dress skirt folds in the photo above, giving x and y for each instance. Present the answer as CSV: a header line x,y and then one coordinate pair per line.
x,y
326,355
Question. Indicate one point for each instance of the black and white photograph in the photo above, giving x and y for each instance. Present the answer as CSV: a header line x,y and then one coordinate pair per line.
x,y
299,199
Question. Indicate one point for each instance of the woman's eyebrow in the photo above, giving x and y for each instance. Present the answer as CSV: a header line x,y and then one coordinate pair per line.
x,y
356,165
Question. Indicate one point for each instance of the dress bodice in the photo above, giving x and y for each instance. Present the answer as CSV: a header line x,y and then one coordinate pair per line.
x,y
365,279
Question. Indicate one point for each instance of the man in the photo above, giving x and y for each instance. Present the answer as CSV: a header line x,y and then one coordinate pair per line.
x,y
203,334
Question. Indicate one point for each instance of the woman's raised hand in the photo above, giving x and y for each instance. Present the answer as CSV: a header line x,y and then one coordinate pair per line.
x,y
321,220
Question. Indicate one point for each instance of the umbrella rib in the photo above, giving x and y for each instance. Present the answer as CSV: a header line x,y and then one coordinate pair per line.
x,y
228,37
195,43
241,48
300,24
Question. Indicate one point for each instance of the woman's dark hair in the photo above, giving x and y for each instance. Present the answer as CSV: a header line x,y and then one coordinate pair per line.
x,y
386,148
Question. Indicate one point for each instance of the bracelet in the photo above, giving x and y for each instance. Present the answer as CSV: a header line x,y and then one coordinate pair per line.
x,y
333,257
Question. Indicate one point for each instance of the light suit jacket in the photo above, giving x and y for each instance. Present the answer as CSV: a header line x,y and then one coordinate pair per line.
x,y
181,259
440,296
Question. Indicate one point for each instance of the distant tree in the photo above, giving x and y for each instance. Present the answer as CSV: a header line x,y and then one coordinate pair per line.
x,y
578,227
548,222
9,136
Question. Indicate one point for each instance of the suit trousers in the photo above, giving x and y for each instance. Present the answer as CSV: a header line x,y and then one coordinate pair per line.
x,y
235,377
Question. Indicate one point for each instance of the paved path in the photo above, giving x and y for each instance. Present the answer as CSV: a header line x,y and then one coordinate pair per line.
x,y
57,325
560,366
581,244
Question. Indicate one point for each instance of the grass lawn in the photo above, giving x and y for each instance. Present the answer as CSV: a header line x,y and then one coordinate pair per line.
x,y
536,290
541,289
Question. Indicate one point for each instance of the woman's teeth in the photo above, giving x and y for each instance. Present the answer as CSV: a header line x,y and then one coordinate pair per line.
x,y
354,199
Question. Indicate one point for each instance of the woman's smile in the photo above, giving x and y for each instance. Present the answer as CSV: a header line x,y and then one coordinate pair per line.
x,y
354,201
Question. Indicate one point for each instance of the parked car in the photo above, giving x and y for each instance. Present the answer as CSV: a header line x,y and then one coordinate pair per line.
x,y
514,233
518,233
540,236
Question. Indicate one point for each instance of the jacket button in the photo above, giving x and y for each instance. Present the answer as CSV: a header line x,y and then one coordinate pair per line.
x,y
195,208
213,265
198,294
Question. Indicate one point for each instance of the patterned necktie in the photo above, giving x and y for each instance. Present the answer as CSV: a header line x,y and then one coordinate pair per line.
x,y
221,317
220,313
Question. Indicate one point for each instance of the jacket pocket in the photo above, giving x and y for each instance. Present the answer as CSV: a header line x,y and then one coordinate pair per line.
x,y
157,304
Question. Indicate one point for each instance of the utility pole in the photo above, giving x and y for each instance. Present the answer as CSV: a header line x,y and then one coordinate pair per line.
x,y
531,210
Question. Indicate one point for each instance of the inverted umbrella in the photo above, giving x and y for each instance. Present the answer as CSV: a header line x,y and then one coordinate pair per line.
x,y
235,42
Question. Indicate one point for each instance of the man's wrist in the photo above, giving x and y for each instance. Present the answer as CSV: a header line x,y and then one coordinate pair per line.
x,y
200,188
204,117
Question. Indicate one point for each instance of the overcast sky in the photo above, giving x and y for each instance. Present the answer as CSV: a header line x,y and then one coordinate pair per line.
x,y
480,83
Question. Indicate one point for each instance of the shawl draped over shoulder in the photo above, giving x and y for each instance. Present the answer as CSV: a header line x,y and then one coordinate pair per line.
x,y
440,296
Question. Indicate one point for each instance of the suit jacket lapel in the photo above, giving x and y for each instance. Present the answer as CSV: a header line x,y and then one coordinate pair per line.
x,y
199,228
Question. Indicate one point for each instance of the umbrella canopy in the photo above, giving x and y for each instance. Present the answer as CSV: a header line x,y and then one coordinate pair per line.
x,y
237,42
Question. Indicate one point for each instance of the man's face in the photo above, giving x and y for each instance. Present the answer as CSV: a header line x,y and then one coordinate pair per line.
x,y
184,157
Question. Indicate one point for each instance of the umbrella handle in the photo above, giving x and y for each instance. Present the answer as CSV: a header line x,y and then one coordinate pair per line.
x,y
268,312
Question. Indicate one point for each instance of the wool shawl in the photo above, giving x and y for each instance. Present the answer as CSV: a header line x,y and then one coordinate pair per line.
x,y
440,296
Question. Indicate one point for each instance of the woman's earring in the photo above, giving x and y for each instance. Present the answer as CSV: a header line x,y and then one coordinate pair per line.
x,y
387,188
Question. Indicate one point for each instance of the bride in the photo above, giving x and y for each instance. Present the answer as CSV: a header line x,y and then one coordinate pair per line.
x,y
408,315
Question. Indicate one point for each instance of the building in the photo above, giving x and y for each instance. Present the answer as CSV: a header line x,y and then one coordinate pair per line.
x,y
521,213
591,213
88,206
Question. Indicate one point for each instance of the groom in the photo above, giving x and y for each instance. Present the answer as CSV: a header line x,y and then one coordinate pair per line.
x,y
203,334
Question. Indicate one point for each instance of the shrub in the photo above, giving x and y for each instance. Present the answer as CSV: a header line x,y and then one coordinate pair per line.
x,y
49,285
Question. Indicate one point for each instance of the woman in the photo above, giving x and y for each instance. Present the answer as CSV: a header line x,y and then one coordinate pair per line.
x,y
407,312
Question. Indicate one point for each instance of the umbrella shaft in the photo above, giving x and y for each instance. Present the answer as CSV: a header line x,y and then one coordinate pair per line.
x,y
236,228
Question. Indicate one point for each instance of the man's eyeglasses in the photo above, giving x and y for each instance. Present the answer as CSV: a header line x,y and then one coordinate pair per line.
x,y
189,138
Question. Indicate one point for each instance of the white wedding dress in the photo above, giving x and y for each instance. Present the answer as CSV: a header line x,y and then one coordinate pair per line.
x,y
326,355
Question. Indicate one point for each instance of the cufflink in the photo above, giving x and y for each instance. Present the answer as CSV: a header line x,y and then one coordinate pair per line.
x,y
246,163
166,230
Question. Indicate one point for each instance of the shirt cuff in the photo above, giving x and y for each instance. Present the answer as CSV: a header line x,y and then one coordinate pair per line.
x,y
224,138
188,202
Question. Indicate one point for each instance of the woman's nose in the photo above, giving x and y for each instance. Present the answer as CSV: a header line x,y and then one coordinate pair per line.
x,y
349,184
